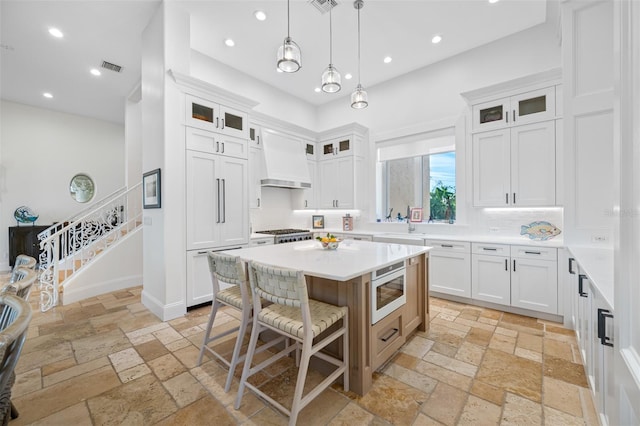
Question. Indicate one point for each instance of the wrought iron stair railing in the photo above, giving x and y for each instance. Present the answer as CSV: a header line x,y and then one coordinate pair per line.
x,y
71,245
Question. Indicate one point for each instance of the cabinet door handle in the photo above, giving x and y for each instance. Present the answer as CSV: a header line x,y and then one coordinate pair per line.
x,y
507,116
514,115
217,122
258,201
222,123
506,198
514,265
532,252
337,203
506,265
223,147
217,146
571,271
446,245
258,137
218,199
224,201
603,314
203,252
581,278
489,248
306,204
514,198
261,242
390,335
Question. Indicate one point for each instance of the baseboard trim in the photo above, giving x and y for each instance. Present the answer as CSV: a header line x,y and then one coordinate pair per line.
x,y
162,311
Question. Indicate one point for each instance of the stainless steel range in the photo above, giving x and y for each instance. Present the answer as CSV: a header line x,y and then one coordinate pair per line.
x,y
288,235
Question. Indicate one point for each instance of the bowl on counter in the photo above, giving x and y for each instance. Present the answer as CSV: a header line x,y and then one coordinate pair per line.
x,y
330,245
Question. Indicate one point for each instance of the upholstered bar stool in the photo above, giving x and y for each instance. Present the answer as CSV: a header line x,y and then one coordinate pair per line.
x,y
295,316
229,270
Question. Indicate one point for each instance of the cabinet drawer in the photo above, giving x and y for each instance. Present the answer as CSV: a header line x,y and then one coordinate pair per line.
x,y
449,246
529,252
491,249
387,335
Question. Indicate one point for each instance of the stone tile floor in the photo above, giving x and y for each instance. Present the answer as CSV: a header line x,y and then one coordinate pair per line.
x,y
108,360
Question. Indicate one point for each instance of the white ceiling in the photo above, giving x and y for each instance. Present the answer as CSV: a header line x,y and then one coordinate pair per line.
x,y
34,62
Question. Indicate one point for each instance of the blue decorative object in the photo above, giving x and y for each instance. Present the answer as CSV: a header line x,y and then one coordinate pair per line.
x,y
24,214
540,231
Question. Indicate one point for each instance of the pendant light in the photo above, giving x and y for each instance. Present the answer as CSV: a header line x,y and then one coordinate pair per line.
x,y
331,76
289,53
359,98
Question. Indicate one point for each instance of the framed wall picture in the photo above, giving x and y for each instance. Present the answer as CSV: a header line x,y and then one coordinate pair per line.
x,y
416,214
318,222
151,190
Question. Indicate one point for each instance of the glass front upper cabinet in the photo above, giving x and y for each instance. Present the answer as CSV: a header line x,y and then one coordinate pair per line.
x,y
530,107
207,115
336,147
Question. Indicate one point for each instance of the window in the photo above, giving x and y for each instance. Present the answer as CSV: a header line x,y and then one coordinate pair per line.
x,y
427,181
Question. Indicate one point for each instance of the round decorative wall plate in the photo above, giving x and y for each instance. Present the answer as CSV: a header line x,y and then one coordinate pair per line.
x,y
24,214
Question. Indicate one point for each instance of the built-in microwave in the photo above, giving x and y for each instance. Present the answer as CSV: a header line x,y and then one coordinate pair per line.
x,y
388,290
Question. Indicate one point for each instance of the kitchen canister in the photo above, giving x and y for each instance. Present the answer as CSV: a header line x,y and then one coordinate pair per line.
x,y
347,223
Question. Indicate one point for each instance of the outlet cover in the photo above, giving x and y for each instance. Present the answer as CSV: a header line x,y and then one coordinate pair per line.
x,y
599,239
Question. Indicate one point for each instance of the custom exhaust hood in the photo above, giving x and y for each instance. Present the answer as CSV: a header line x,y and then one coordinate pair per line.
x,y
285,162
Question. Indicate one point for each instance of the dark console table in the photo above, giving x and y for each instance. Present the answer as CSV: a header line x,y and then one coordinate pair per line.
x,y
24,240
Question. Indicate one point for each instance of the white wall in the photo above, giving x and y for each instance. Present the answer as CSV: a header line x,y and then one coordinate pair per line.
x,y
41,151
433,93
273,102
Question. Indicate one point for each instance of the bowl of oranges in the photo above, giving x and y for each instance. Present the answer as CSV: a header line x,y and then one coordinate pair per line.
x,y
330,242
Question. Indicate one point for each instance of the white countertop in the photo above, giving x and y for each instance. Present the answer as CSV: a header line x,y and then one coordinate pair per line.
x,y
597,264
350,260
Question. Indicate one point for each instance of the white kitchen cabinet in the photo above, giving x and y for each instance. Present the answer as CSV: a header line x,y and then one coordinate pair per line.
x,y
213,143
450,267
217,201
337,183
255,136
310,150
199,287
306,198
490,275
256,174
211,116
515,166
338,147
528,107
534,278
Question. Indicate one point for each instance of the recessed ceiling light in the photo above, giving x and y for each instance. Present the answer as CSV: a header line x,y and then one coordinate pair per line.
x,y
95,71
387,59
47,95
436,39
493,1
260,15
229,42
56,32
348,76
317,90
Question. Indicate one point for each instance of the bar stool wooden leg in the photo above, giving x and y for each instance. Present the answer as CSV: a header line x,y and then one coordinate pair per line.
x,y
235,359
255,332
207,333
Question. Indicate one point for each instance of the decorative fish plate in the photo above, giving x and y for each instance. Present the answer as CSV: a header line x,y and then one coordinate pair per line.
x,y
540,231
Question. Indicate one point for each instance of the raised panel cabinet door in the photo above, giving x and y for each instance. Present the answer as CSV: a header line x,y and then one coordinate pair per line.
x,y
450,273
202,197
327,183
534,285
345,183
533,164
256,172
199,287
234,220
309,194
491,168
530,107
491,279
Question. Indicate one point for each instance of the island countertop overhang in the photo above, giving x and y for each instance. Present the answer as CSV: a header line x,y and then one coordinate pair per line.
x,y
350,260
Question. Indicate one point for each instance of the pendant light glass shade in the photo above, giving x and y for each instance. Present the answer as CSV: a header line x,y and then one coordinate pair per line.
x,y
359,98
331,80
289,54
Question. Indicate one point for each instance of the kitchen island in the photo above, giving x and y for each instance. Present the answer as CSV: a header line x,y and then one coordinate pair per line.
x,y
344,277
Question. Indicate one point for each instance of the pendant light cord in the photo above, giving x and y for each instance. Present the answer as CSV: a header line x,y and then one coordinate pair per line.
x,y
288,20
330,37
359,74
